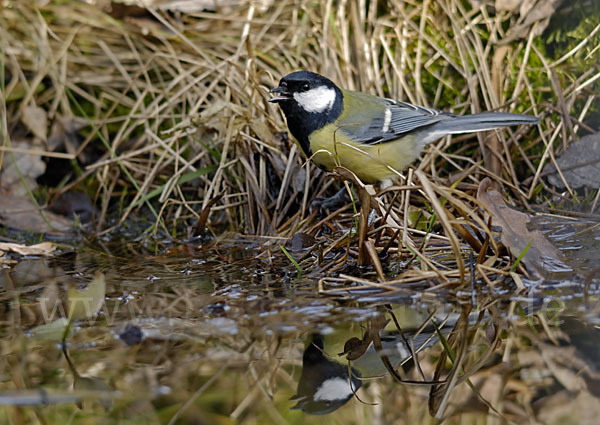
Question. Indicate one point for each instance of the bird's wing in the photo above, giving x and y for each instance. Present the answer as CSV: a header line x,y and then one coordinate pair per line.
x,y
379,120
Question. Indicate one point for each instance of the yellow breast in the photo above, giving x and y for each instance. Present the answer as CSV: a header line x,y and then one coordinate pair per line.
x,y
371,163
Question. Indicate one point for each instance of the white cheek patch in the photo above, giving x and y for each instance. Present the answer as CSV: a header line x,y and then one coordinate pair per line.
x,y
317,100
333,389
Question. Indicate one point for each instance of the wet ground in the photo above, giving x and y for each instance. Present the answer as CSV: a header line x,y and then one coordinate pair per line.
x,y
228,333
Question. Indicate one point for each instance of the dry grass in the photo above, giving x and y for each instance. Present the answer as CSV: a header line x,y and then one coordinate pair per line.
x,y
178,124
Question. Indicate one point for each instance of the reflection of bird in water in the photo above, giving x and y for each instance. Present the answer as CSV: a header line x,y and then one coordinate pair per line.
x,y
325,383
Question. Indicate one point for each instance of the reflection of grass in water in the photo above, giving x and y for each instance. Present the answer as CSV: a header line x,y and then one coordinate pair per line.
x,y
216,355
250,375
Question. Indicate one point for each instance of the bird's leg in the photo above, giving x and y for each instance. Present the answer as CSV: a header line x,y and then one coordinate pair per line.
x,y
333,202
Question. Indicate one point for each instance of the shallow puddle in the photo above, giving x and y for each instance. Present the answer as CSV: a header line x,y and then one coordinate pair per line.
x,y
231,334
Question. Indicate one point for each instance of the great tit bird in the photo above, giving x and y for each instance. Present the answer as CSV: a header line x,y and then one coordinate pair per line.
x,y
374,137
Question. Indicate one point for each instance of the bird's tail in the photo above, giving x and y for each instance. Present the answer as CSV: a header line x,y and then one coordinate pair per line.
x,y
459,124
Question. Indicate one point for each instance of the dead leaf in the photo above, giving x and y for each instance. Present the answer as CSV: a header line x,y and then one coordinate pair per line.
x,y
64,133
491,331
579,164
535,16
301,241
20,213
44,248
20,170
541,256
74,203
85,303
261,130
508,5
36,120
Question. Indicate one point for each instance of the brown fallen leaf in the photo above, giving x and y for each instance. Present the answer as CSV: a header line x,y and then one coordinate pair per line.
x,y
20,169
20,213
74,203
507,5
579,165
301,241
44,248
36,120
64,132
541,256
534,15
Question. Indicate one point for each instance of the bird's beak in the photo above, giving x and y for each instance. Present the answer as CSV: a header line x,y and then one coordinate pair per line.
x,y
282,93
302,400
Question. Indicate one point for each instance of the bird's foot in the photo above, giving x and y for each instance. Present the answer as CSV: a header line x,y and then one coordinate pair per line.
x,y
332,202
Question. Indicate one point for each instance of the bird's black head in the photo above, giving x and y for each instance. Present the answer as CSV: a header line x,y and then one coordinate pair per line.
x,y
311,91
309,102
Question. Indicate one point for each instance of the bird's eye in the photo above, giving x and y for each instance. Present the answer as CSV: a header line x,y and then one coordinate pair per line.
x,y
305,87
283,84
